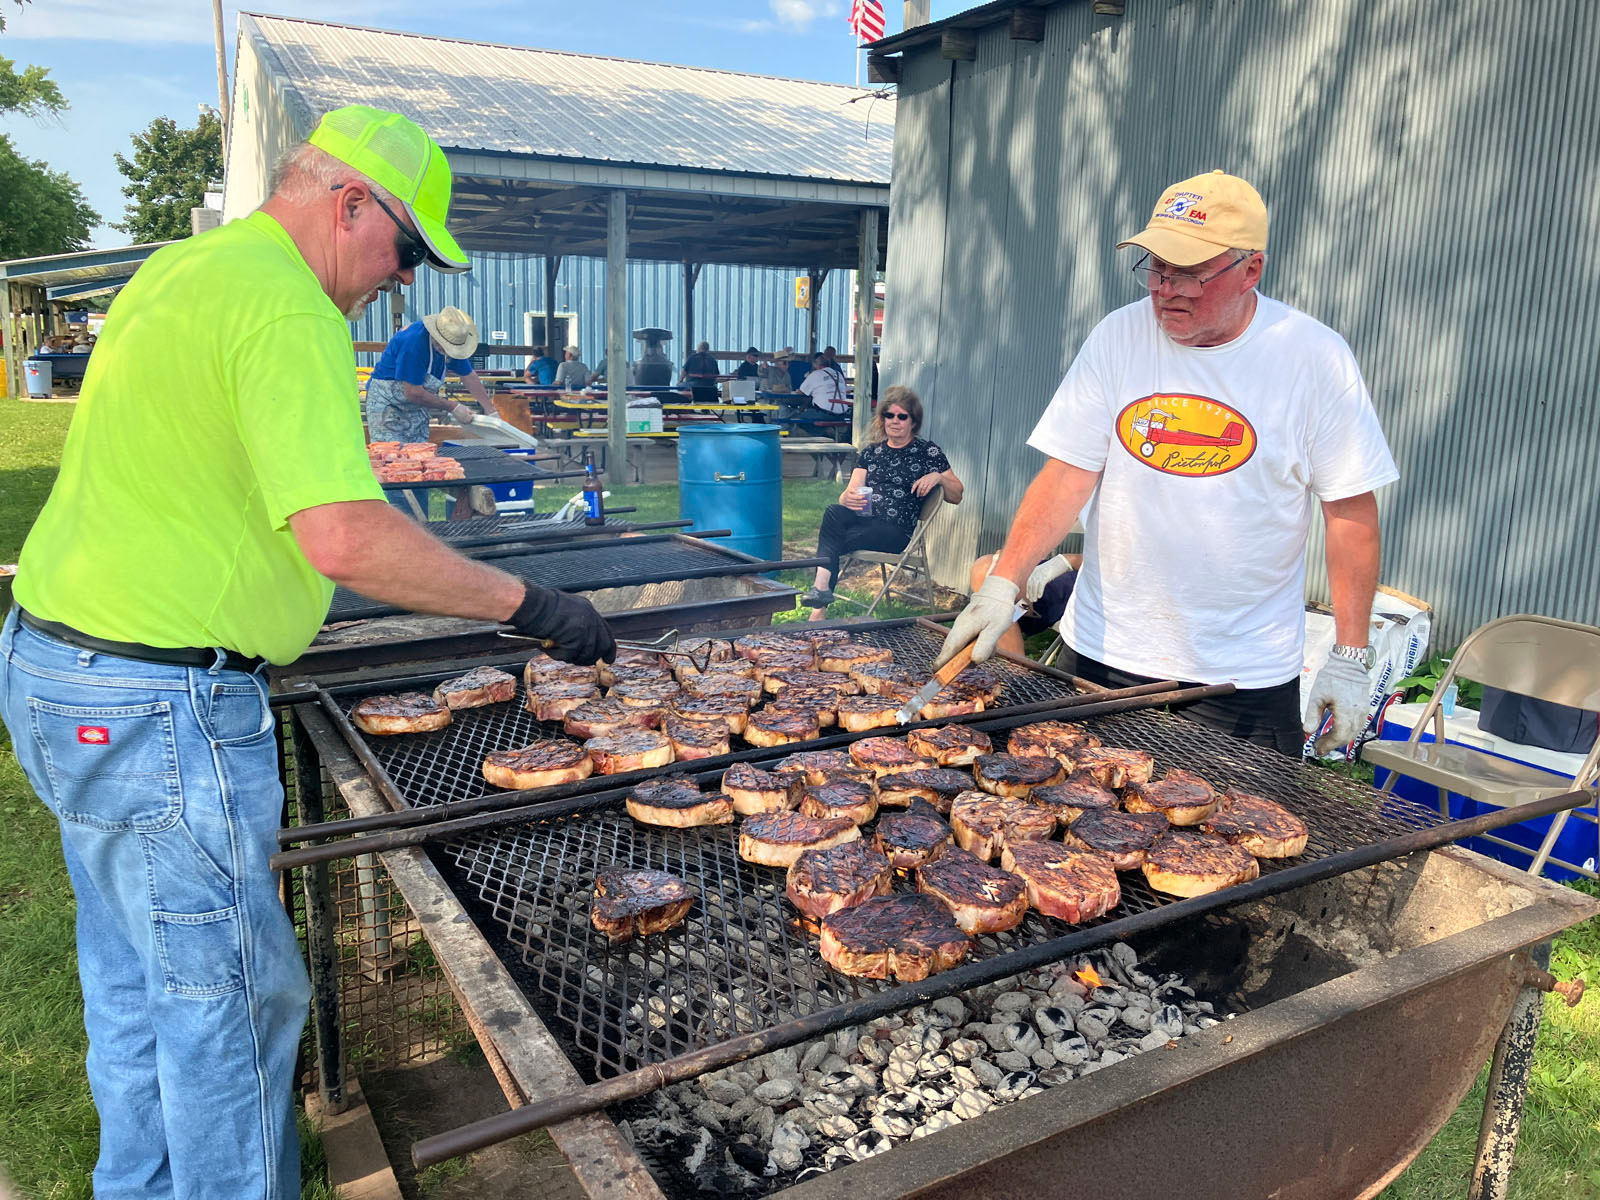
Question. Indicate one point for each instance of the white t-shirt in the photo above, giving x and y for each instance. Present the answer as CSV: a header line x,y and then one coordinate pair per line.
x,y
1212,460
826,389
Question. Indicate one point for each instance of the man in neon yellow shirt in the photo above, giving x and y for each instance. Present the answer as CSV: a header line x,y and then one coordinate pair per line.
x,y
213,490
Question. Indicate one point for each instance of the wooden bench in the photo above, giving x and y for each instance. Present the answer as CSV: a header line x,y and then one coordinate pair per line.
x,y
825,453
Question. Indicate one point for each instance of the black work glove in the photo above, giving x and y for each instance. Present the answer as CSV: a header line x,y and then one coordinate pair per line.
x,y
569,625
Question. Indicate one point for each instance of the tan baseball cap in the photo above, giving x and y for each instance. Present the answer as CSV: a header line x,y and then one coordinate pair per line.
x,y
1201,217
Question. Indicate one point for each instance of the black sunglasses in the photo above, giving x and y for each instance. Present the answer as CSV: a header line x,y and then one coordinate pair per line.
x,y
409,248
894,416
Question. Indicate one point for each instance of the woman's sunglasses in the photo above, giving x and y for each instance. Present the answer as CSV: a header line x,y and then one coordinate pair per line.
x,y
894,416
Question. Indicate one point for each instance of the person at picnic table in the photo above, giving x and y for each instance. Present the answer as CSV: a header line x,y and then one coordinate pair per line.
x,y
775,374
901,469
573,373
164,574
407,385
1197,431
830,360
700,371
541,369
750,368
824,388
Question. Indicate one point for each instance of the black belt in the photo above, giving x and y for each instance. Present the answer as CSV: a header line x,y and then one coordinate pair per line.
x,y
172,656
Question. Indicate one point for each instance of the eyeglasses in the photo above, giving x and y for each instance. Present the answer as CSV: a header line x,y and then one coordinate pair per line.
x,y
889,416
1183,285
409,248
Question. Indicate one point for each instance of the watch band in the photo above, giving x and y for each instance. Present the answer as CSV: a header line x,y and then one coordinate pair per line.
x,y
1365,655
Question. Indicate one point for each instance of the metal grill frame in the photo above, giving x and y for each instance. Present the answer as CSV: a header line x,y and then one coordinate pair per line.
x,y
485,465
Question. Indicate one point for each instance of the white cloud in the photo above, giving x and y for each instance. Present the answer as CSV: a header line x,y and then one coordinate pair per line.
x,y
184,21
798,14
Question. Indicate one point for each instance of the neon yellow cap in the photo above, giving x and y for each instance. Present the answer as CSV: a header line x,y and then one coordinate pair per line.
x,y
396,154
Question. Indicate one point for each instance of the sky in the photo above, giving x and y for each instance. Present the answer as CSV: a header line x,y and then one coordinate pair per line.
x,y
122,63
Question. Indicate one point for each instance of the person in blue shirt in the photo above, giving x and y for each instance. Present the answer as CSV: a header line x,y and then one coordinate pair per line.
x,y
542,370
408,382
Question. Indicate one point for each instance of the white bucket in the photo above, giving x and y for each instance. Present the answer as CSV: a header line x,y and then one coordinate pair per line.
x,y
40,376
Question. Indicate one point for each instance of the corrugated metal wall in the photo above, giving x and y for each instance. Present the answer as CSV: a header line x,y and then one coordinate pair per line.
x,y
1432,168
734,306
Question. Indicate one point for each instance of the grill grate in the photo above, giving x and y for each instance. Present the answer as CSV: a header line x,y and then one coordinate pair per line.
x,y
513,527
485,465
446,765
581,567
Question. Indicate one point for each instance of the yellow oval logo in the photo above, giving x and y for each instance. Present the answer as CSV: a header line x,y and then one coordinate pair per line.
x,y
1193,436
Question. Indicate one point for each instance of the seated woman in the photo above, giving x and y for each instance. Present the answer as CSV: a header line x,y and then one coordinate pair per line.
x,y
901,469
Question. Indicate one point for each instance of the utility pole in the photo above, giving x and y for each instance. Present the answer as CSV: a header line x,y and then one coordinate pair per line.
x,y
222,76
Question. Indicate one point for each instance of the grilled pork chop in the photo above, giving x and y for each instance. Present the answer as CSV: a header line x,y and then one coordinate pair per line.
x,y
887,679
756,646
409,712
484,685
910,839
1073,797
823,703
776,681
683,669
950,745
646,693
1263,827
1015,774
950,702
704,648
1070,885
886,755
630,904
1122,837
980,681
937,786
910,937
1192,864
753,790
1115,768
600,718
841,656
841,798
1181,797
814,766
824,881
695,739
542,668
732,711
718,683
983,823
981,898
780,726
1052,739
776,839
553,701
539,764
815,636
628,661
631,750
858,713
677,803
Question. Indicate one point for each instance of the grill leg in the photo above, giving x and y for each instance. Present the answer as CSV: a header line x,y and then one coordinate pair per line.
x,y
376,957
321,949
1508,1089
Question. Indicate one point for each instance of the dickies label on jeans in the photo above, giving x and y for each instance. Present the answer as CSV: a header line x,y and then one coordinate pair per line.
x,y
94,735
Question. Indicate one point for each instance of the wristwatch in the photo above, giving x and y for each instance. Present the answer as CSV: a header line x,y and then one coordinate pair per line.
x,y
1365,655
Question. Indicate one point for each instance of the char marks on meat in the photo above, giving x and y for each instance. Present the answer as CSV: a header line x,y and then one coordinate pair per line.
x,y
821,701
1114,767
1183,798
841,798
814,766
677,803
646,693
631,750
732,711
888,679
1192,864
950,702
754,790
824,881
553,701
950,745
1073,797
983,899
1070,885
910,839
1059,740
1263,827
633,903
778,727
408,712
775,839
754,646
984,823
858,713
1015,774
539,764
938,786
776,681
599,718
841,656
1123,837
542,668
909,937
478,687
696,739
886,755
720,684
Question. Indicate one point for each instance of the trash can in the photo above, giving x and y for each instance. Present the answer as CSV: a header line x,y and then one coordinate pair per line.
x,y
731,477
40,376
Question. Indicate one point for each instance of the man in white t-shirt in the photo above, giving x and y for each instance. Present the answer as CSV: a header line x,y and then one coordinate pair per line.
x,y
1196,431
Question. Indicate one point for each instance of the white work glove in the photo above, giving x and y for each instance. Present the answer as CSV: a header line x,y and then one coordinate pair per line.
x,y
1343,686
463,414
987,615
1050,568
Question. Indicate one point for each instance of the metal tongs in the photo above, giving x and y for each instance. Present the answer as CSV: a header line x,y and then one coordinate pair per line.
x,y
950,670
658,646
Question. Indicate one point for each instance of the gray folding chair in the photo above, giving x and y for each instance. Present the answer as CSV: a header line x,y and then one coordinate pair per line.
x,y
913,558
1547,659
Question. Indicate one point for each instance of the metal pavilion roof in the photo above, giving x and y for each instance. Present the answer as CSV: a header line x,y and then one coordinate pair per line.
x,y
81,272
479,96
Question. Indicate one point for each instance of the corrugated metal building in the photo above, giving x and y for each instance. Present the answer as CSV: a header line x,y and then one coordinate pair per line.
x,y
1432,170
734,306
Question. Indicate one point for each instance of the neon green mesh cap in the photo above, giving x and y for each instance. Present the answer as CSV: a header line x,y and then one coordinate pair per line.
x,y
396,154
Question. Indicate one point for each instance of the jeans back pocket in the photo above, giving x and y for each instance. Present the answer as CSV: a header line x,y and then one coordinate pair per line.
x,y
110,767
235,713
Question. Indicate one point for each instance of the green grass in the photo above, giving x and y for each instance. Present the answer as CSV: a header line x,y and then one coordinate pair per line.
x,y
48,1127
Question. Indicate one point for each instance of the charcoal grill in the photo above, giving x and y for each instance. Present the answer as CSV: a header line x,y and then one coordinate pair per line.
x,y
486,465
506,911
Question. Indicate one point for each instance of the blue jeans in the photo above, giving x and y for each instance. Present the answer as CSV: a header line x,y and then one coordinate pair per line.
x,y
165,783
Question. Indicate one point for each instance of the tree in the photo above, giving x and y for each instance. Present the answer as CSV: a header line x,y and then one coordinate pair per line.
x,y
168,176
41,211
20,3
30,92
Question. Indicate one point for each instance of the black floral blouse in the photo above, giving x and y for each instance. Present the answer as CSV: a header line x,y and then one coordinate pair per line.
x,y
890,474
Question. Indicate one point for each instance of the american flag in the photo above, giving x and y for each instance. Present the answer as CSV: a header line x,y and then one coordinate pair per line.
x,y
866,19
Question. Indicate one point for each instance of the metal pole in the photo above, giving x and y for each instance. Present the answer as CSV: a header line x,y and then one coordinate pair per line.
x,y
552,266
866,291
222,76
375,955
1508,1089
691,276
617,334
819,276
322,953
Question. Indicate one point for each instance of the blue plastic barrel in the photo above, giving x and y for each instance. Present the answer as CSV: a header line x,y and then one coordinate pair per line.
x,y
731,477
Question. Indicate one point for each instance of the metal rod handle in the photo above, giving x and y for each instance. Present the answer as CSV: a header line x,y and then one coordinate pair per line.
x,y
585,1100
719,477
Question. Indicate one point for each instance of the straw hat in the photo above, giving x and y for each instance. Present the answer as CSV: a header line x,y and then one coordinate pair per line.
x,y
784,355
455,332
